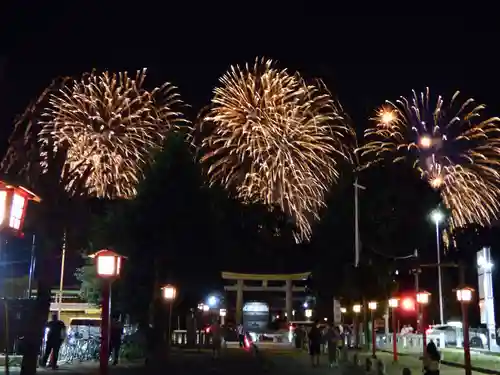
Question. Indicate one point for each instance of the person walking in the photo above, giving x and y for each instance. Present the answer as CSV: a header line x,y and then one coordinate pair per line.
x,y
332,337
55,337
315,339
115,339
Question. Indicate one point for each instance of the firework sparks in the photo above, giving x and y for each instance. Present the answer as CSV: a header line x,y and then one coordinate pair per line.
x,y
275,140
109,126
453,147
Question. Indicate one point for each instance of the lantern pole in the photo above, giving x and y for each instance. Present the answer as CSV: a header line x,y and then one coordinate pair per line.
x,y
32,267
105,317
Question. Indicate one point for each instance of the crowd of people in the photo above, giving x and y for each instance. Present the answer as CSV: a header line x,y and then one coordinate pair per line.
x,y
331,339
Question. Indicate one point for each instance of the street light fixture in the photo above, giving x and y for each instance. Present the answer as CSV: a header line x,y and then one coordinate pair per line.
x,y
393,304
343,310
437,217
464,296
212,301
108,264
169,292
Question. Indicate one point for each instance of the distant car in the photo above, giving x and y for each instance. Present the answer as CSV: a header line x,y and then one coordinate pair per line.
x,y
451,332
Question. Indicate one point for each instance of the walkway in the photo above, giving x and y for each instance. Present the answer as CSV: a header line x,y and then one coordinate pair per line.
x,y
234,361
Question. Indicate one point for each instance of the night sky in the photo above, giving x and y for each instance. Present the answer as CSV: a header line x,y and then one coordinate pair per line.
x,y
364,59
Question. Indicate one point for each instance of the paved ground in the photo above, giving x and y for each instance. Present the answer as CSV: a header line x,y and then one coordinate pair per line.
x,y
291,362
233,362
278,360
478,359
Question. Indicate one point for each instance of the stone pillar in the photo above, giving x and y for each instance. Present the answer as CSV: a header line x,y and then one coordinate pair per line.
x,y
289,307
239,301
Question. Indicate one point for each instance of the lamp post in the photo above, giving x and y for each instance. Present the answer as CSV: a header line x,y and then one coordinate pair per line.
x,y
356,309
372,306
393,304
423,300
169,292
108,265
437,217
464,296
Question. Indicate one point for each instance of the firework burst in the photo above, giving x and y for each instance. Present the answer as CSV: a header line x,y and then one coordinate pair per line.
x,y
275,140
453,146
109,126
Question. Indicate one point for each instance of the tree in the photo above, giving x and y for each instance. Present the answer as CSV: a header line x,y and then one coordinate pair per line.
x,y
90,285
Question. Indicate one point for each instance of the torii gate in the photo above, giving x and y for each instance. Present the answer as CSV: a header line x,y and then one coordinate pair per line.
x,y
240,287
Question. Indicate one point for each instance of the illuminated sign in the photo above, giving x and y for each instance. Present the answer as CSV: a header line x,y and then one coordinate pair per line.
x,y
256,307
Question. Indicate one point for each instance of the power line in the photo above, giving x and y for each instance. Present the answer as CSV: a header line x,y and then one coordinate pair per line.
x,y
392,257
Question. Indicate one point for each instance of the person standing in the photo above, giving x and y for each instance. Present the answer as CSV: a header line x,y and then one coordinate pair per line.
x,y
115,339
55,338
315,339
216,332
241,335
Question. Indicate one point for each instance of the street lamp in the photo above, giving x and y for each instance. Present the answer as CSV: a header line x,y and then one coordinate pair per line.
x,y
393,304
437,217
372,306
169,292
108,264
464,296
212,301
423,300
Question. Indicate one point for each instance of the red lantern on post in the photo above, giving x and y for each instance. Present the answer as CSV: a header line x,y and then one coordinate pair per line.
x,y
13,203
423,300
108,264
464,296
393,304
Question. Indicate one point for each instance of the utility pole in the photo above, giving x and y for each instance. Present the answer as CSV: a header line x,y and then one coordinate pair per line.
x,y
416,272
61,281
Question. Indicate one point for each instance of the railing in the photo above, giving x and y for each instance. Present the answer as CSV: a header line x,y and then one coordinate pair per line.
x,y
409,343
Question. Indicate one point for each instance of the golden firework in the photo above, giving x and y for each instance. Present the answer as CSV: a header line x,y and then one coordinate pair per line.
x,y
109,125
453,146
275,140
